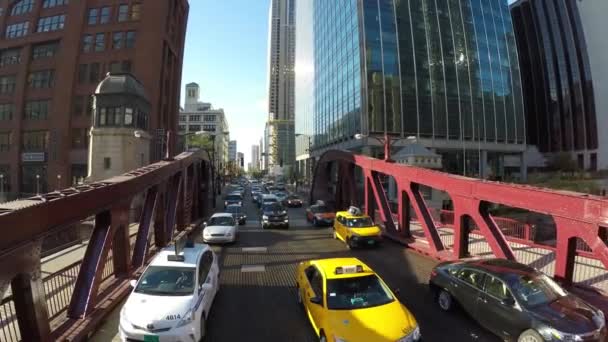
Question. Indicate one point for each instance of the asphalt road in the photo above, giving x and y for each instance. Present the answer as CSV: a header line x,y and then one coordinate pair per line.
x,y
261,305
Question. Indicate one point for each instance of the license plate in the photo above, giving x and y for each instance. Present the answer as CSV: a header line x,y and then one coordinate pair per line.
x,y
370,242
151,338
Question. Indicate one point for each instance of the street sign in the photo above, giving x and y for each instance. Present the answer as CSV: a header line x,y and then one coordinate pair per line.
x,y
33,157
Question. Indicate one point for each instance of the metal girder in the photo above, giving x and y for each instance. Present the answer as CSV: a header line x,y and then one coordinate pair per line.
x,y
576,215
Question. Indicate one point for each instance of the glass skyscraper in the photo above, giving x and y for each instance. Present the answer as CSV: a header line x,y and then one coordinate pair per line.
x,y
445,71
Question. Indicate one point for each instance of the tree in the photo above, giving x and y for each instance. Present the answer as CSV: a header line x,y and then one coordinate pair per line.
x,y
204,142
562,161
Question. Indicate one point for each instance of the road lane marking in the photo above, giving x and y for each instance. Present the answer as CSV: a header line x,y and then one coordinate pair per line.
x,y
254,249
253,268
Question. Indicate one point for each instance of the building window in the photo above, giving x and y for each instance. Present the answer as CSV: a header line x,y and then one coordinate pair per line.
x,y
37,110
107,163
80,138
54,23
22,7
209,128
83,73
87,43
194,128
5,173
100,42
210,118
181,128
130,41
118,40
6,111
77,106
89,109
182,118
5,141
123,13
135,11
105,15
45,50
35,141
7,84
10,56
17,30
53,3
79,173
195,118
102,117
593,162
128,116
94,73
93,15
41,79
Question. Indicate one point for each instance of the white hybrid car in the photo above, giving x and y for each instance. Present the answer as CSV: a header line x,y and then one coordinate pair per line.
x,y
172,298
221,228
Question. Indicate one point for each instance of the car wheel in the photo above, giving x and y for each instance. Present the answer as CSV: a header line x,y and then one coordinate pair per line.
x,y
445,300
349,243
335,235
299,298
530,336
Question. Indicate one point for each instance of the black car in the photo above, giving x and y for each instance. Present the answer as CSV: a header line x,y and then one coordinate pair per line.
x,y
292,201
515,301
237,212
274,215
233,199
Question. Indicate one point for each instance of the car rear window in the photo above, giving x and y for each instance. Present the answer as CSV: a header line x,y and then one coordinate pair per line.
x,y
234,197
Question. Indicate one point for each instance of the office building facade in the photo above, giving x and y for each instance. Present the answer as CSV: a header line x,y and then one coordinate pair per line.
x,y
445,72
200,116
562,52
52,56
281,96
255,157
232,150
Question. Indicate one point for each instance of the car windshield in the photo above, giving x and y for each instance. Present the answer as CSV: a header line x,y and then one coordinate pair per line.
x,y
359,222
234,197
357,293
167,281
233,209
221,221
273,207
533,290
292,197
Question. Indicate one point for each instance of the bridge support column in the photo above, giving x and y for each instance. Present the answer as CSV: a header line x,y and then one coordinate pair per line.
x,y
424,218
121,244
173,196
404,213
140,250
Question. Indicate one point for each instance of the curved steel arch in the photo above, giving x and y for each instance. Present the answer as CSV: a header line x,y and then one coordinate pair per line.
x,y
576,215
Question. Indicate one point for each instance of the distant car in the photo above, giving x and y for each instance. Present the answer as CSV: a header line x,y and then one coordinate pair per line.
x,y
233,198
221,228
320,215
345,300
292,201
356,229
274,215
237,213
173,297
515,301
281,196
267,199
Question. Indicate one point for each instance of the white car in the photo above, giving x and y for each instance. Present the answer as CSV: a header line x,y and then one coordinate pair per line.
x,y
221,228
172,298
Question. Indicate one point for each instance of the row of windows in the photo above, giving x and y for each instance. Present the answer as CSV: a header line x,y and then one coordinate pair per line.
x,y
93,73
25,6
103,15
54,23
38,141
39,51
41,79
122,117
17,29
34,110
97,42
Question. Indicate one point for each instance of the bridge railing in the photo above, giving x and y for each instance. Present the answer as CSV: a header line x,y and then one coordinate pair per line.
x,y
67,303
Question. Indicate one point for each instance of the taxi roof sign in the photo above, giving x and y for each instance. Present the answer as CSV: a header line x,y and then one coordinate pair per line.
x,y
181,242
351,269
354,211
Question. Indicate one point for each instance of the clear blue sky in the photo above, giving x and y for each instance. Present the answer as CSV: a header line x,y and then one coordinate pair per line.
x,y
226,48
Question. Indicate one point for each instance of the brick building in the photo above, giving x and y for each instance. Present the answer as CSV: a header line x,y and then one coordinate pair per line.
x,y
53,53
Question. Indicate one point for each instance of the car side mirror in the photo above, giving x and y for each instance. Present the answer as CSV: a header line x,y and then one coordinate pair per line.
x,y
132,283
316,300
508,301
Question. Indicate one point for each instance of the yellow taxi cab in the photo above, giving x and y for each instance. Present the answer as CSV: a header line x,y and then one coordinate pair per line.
x,y
356,229
346,301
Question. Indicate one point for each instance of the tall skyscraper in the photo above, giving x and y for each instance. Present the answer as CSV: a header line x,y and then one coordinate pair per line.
x,y
444,72
232,150
255,157
281,97
563,54
53,53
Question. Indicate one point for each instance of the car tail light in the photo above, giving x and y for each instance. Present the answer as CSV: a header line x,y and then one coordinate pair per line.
x,y
433,272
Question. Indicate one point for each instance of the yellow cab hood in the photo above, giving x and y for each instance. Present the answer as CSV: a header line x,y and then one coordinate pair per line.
x,y
388,322
366,231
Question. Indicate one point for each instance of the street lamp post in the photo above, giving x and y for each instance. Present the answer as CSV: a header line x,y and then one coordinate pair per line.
x,y
58,182
386,142
1,187
37,184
